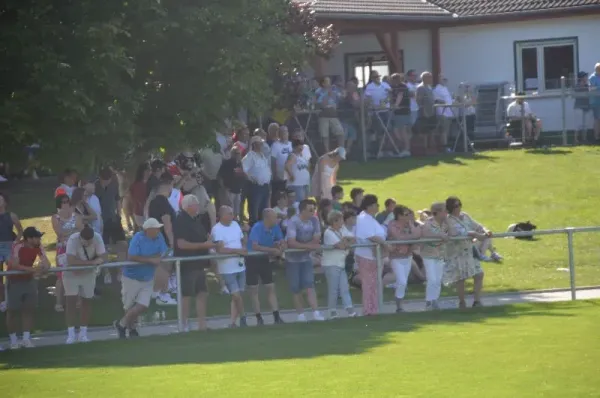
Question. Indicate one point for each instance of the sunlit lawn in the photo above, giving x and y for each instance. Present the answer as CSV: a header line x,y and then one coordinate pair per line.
x,y
541,350
553,189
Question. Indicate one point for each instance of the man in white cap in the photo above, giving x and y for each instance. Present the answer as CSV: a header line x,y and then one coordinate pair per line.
x,y
257,167
149,248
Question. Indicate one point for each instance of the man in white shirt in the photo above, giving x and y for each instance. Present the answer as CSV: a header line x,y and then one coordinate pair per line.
x,y
519,111
377,92
257,167
280,150
93,201
412,87
442,95
230,239
83,248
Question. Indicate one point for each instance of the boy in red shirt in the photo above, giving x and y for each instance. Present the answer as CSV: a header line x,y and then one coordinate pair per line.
x,y
22,289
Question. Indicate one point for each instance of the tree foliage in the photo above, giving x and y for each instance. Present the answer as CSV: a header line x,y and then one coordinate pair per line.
x,y
89,80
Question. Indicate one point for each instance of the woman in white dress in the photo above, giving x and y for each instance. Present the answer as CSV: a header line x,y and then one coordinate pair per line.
x,y
325,174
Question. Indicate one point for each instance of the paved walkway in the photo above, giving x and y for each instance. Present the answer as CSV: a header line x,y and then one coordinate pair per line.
x,y
107,333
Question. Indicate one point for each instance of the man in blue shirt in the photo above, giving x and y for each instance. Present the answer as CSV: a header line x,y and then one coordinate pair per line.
x,y
265,236
595,100
149,248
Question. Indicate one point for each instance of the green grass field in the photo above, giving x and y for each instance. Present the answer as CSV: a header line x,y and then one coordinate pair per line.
x,y
553,189
541,350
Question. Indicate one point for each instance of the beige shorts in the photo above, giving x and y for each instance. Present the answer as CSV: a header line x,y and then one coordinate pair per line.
x,y
133,292
79,283
332,124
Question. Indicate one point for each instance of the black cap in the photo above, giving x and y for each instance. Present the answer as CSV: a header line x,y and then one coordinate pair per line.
x,y
582,74
87,233
32,232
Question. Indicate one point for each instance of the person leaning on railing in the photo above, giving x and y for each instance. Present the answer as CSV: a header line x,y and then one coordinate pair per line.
x,y
369,231
461,262
434,253
402,227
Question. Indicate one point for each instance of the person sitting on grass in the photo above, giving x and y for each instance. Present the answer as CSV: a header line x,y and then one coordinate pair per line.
x,y
149,248
337,194
357,194
383,216
22,289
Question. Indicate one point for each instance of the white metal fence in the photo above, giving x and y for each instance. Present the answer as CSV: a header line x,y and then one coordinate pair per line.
x,y
569,232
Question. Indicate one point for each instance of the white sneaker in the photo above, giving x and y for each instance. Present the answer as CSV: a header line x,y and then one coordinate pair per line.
x,y
3,306
14,346
404,154
485,258
82,338
352,314
301,318
27,343
70,340
165,299
317,316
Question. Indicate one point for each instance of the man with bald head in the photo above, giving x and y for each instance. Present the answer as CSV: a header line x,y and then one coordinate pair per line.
x,y
266,237
231,240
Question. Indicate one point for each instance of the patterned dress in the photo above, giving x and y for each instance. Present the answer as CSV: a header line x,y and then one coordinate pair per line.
x,y
460,263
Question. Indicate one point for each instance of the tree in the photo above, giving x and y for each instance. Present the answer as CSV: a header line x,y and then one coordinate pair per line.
x,y
93,80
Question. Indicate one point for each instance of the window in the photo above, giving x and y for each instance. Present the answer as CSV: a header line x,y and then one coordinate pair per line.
x,y
361,65
540,64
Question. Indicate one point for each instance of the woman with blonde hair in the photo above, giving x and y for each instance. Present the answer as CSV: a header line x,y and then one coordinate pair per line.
x,y
461,262
325,175
434,253
334,263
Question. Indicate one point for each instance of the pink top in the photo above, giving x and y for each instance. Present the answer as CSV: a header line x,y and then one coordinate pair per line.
x,y
398,230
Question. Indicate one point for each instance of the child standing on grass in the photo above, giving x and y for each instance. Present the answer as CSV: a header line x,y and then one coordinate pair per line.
x,y
334,263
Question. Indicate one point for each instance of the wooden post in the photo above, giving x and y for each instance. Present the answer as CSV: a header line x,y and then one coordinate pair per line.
x,y
436,57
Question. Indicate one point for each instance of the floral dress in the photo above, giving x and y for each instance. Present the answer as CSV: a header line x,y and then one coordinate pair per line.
x,y
460,263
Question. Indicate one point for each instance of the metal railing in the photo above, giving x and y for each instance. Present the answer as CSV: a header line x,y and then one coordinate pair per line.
x,y
569,231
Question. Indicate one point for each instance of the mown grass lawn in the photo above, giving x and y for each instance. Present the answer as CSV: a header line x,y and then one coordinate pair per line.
x,y
539,350
553,189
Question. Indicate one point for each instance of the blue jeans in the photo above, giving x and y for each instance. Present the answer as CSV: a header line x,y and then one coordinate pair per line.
x,y
337,286
300,275
300,190
258,200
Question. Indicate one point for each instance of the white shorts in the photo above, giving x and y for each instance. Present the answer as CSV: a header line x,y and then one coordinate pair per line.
x,y
133,292
80,283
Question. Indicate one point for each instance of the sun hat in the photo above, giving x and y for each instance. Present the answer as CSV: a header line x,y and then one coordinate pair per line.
x,y
151,223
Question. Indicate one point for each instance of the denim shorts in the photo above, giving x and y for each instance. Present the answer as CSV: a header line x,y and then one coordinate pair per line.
x,y
402,121
236,283
350,131
300,275
5,251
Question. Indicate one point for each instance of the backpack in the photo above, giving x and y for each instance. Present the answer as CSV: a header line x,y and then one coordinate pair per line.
x,y
526,226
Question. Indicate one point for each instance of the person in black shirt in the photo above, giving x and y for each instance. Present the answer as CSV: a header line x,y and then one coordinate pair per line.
x,y
192,239
401,120
232,177
356,194
158,168
161,210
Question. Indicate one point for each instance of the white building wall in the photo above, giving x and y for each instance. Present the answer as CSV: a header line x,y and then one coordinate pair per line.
x,y
485,53
416,45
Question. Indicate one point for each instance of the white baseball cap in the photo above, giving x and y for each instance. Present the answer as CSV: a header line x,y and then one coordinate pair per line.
x,y
151,223
341,152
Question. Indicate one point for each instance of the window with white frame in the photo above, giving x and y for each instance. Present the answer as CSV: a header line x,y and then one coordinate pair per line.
x,y
541,63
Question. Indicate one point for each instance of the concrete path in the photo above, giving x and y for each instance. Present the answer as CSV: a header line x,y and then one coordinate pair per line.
x,y
107,333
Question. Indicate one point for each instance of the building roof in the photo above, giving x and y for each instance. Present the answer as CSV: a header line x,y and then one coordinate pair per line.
x,y
378,7
442,8
494,7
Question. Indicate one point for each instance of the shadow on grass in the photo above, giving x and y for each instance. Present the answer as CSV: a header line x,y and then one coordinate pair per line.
x,y
548,151
385,168
291,341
